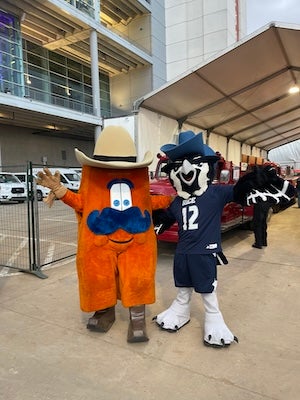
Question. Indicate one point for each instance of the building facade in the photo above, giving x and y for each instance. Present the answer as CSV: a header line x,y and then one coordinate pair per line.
x,y
196,30
67,64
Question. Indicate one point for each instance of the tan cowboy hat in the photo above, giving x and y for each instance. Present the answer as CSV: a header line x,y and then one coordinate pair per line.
x,y
114,149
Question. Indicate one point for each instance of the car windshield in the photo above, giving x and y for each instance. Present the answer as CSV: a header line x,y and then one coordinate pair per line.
x,y
73,177
7,178
21,177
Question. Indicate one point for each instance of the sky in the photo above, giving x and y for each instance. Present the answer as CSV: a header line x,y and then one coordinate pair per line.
x,y
261,12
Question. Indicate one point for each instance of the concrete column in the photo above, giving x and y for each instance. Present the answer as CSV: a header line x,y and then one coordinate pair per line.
x,y
97,10
95,79
98,129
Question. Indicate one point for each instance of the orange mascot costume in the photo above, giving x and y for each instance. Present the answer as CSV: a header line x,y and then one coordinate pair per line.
x,y
117,249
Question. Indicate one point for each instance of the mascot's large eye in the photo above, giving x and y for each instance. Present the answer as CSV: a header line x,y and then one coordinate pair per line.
x,y
177,164
196,160
120,196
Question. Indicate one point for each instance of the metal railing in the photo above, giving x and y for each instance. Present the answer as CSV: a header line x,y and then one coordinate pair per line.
x,y
32,235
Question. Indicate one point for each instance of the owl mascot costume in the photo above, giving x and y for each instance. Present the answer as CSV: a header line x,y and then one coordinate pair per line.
x,y
197,209
117,249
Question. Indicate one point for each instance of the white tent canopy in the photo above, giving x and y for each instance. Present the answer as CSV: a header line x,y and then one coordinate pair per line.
x,y
287,155
241,95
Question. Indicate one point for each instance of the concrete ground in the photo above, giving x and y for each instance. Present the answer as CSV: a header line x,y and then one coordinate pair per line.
x,y
48,354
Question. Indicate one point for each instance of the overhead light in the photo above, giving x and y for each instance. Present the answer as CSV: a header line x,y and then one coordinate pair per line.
x,y
7,115
51,127
294,89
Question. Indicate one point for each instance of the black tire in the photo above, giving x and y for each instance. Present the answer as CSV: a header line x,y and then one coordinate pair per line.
x,y
39,195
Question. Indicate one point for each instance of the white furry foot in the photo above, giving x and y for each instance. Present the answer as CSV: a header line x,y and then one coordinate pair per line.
x,y
174,318
178,314
216,332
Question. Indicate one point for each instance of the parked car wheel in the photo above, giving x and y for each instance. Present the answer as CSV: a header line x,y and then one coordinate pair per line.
x,y
39,195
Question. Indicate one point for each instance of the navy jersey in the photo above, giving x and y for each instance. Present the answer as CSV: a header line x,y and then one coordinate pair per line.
x,y
199,220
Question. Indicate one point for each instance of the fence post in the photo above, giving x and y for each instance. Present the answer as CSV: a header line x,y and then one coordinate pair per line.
x,y
33,225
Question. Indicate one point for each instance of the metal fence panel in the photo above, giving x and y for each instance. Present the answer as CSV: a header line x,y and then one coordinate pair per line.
x,y
32,235
14,236
57,232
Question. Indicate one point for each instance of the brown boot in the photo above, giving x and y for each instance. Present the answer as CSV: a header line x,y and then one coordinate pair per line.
x,y
137,325
102,320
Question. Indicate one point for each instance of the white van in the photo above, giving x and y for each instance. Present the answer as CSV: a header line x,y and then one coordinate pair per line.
x,y
11,188
78,171
41,191
68,177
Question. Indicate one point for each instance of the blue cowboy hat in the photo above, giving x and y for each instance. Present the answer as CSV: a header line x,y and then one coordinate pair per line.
x,y
189,144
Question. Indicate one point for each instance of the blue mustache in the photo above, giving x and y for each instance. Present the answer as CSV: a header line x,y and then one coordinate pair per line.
x,y
109,220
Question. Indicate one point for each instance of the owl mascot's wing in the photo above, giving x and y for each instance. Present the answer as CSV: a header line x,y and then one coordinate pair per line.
x,y
263,184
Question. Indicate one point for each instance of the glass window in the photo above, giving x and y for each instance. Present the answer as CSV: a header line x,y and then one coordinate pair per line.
x,y
11,77
55,79
8,178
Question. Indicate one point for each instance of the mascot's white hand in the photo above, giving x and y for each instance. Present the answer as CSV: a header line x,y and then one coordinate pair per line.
x,y
216,332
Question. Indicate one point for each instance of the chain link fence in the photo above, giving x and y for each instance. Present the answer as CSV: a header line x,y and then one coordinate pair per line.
x,y
32,235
